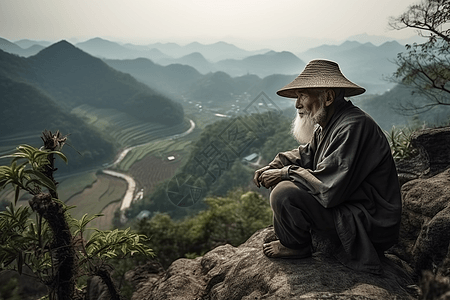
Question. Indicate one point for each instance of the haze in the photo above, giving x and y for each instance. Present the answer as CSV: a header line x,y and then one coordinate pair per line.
x,y
250,24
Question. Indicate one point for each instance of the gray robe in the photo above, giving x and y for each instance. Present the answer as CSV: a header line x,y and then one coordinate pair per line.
x,y
348,168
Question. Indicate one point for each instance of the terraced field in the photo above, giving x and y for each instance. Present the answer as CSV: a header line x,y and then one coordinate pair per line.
x,y
93,192
123,129
102,196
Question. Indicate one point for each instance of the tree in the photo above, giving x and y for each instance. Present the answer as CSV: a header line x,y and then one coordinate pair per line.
x,y
53,246
425,67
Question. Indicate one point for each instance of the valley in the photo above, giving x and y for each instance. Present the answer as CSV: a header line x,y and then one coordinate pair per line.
x,y
136,111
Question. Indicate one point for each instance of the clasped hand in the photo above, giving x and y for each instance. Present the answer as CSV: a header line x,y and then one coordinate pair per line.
x,y
267,177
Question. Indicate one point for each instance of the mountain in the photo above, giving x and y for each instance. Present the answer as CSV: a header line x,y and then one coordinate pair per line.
x,y
107,49
195,60
13,48
365,64
263,65
26,43
172,80
386,109
27,111
212,52
9,47
380,39
74,77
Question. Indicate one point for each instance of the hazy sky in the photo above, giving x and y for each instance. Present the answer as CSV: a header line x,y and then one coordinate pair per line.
x,y
250,23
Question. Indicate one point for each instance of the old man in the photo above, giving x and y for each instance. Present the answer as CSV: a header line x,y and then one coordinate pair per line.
x,y
341,181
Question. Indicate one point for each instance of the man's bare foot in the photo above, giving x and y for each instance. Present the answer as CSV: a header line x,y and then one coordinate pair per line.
x,y
276,250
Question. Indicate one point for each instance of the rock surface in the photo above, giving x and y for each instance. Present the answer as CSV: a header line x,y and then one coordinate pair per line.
x,y
244,272
425,229
422,255
433,145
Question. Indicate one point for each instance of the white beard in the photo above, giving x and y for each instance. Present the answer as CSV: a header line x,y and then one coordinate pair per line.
x,y
303,127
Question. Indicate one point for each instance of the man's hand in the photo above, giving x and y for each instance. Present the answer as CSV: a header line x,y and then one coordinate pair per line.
x,y
257,174
270,177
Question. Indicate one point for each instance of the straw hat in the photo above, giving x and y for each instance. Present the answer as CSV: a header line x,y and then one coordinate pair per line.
x,y
321,74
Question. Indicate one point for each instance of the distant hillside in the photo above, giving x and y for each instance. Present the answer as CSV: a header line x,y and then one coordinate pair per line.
x,y
27,111
184,82
172,80
13,48
212,52
385,110
365,64
73,77
106,49
263,64
195,60
26,43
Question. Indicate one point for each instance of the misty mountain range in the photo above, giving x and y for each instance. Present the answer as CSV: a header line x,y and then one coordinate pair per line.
x,y
39,92
366,64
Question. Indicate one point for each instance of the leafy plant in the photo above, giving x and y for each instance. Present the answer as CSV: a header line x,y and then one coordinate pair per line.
x,y
53,246
400,142
227,220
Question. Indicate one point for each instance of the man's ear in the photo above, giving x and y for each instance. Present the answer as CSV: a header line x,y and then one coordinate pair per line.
x,y
330,95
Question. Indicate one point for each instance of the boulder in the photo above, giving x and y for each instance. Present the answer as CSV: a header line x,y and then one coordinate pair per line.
x,y
425,228
244,272
433,146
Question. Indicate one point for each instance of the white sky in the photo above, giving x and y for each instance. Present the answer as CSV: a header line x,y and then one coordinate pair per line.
x,y
247,23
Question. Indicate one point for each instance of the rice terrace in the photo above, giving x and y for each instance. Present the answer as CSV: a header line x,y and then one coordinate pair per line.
x,y
150,153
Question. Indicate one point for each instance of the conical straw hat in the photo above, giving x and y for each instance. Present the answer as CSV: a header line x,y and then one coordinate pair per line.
x,y
321,74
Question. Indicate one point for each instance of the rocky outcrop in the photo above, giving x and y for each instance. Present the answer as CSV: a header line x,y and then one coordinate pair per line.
x,y
425,228
421,257
433,145
244,272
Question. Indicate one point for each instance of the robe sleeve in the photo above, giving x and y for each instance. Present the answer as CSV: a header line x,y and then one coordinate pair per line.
x,y
302,156
346,156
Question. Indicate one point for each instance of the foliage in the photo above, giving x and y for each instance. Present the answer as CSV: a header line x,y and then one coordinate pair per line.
x,y
426,66
227,220
400,142
36,244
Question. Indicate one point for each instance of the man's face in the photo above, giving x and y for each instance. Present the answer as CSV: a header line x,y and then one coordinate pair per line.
x,y
308,102
310,111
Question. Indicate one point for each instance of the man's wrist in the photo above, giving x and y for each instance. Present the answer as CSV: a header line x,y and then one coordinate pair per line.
x,y
285,173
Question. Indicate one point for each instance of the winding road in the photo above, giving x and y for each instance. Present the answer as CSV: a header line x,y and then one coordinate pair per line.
x,y
129,195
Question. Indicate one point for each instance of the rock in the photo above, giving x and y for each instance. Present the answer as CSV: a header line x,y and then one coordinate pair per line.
x,y
144,275
434,287
425,227
244,272
434,146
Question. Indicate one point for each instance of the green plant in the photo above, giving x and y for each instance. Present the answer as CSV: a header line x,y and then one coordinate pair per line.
x,y
227,220
53,246
400,142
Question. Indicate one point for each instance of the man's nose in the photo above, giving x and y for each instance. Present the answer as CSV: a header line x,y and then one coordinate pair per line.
x,y
298,103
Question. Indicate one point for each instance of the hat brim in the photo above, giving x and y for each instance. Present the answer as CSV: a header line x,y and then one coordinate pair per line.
x,y
321,74
349,92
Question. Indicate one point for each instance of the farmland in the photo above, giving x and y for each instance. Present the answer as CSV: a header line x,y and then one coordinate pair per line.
x,y
123,129
93,192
